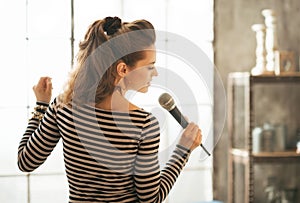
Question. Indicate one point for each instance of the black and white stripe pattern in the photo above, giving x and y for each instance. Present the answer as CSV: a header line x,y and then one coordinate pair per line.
x,y
109,156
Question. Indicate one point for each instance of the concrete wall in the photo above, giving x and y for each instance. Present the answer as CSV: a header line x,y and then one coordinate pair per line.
x,y
235,45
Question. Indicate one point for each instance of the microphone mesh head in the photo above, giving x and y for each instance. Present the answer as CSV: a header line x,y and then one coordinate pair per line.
x,y
166,101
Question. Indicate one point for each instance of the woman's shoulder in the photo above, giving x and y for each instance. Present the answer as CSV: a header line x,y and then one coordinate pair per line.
x,y
148,116
142,112
57,103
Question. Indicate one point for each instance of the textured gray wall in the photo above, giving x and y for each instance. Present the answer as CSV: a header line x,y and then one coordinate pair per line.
x,y
235,45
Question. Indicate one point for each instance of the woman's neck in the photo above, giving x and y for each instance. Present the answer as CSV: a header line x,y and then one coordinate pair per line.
x,y
116,102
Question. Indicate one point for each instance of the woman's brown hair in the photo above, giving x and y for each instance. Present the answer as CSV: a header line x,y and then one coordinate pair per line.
x,y
106,43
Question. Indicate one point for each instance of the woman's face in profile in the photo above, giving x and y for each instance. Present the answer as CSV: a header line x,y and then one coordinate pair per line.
x,y
139,78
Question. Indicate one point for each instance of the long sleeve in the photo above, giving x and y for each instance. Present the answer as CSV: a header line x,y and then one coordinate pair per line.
x,y
39,140
153,185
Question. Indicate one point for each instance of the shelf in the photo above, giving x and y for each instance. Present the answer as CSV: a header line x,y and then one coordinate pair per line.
x,y
243,155
240,78
276,154
285,156
294,78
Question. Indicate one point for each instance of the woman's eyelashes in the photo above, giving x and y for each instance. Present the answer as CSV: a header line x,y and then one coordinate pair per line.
x,y
151,67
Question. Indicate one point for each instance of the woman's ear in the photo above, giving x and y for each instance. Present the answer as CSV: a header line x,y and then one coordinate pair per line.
x,y
122,69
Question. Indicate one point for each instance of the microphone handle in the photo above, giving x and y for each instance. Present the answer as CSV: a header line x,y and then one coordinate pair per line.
x,y
178,116
181,120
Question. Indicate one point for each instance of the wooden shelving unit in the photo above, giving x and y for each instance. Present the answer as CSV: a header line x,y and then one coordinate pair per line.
x,y
242,119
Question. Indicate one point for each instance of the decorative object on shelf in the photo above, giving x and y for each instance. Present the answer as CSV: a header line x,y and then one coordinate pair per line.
x,y
264,138
256,136
288,195
271,38
280,137
260,67
276,193
284,62
269,59
269,138
272,190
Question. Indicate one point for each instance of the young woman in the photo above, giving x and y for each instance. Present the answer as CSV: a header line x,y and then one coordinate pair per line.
x,y
110,145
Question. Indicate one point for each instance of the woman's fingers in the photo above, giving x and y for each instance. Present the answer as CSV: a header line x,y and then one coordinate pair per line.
x,y
49,86
43,89
191,137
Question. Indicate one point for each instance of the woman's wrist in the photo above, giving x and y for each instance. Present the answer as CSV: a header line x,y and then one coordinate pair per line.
x,y
183,150
39,110
42,103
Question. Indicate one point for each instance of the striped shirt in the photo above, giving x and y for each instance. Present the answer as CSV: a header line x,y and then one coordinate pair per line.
x,y
109,156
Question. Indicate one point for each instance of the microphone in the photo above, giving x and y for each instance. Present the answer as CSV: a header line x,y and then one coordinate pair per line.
x,y
167,102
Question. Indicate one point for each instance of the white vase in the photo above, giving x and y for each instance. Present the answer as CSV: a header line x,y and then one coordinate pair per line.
x,y
260,52
271,38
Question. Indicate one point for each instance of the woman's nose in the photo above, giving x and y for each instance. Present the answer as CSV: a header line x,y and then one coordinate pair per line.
x,y
155,72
